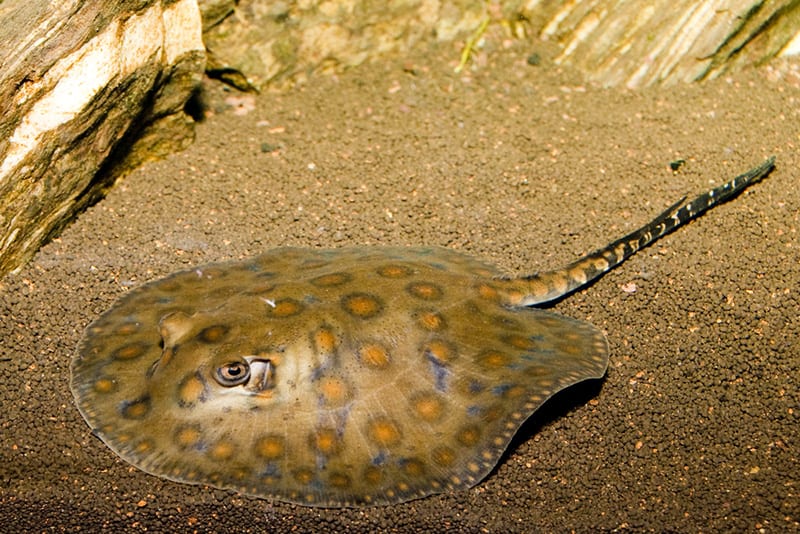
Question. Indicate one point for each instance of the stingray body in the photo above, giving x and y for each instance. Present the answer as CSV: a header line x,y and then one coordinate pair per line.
x,y
342,377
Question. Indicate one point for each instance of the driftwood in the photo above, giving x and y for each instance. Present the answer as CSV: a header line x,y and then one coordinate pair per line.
x,y
618,42
253,43
87,90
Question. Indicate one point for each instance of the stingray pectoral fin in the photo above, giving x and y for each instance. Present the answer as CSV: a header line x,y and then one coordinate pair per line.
x,y
551,285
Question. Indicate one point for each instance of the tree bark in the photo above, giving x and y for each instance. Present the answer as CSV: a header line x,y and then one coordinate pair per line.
x,y
87,90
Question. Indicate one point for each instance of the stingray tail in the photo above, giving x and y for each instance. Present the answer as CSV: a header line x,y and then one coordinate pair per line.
x,y
543,287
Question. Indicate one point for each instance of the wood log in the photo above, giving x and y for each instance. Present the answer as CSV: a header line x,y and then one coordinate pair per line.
x,y
615,42
636,44
88,89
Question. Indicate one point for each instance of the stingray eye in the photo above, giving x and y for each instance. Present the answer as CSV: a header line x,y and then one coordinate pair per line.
x,y
233,374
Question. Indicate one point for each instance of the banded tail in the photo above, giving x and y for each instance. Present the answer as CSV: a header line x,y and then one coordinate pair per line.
x,y
551,285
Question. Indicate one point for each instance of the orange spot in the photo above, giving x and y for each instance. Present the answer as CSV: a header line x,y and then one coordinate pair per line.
x,y
514,297
439,350
519,342
514,392
325,341
325,441
537,287
362,305
493,359
334,390
560,283
187,436
128,352
394,271
339,480
428,407
223,450
487,292
374,355
443,456
144,446
468,435
430,320
104,385
414,468
284,308
373,475
492,414
191,390
383,432
270,480
127,329
270,447
213,334
303,475
424,290
136,409
537,371
572,349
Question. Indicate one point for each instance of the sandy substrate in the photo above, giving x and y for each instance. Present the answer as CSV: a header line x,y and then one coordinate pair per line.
x,y
695,427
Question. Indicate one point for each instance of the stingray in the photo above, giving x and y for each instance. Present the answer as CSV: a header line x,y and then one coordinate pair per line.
x,y
343,377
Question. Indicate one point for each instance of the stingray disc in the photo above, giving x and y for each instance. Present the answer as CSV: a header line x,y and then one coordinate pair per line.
x,y
344,377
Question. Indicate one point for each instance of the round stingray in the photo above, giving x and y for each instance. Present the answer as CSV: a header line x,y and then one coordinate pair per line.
x,y
345,377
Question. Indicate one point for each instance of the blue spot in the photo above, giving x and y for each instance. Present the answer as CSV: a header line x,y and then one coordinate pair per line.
x,y
317,372
474,411
475,386
340,415
380,459
440,372
501,389
321,462
271,470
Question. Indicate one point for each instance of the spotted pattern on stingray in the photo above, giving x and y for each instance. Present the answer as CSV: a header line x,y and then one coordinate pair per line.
x,y
352,364
344,377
